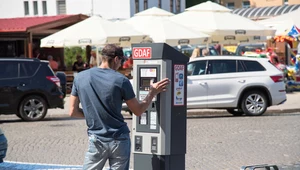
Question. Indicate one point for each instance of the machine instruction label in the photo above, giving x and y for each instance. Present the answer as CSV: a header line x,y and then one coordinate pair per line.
x,y
149,72
178,85
153,120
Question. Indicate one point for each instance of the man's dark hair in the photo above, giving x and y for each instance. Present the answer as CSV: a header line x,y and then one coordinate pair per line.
x,y
111,51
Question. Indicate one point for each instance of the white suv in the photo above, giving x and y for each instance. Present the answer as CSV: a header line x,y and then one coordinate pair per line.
x,y
241,85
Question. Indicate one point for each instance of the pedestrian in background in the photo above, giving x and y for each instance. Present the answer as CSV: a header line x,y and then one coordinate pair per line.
x,y
101,92
205,52
218,48
195,54
79,65
93,59
53,64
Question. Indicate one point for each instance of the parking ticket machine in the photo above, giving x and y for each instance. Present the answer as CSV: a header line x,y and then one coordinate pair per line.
x,y
159,134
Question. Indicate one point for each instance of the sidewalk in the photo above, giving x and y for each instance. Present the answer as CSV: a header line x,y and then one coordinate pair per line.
x,y
291,105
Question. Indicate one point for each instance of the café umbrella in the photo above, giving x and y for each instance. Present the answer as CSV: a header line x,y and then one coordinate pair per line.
x,y
94,31
162,30
218,21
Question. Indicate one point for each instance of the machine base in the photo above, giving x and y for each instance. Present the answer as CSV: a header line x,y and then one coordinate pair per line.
x,y
159,162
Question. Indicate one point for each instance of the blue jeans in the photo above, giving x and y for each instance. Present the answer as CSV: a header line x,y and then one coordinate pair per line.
x,y
117,152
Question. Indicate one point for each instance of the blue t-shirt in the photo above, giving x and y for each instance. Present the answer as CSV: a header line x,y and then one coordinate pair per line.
x,y
101,93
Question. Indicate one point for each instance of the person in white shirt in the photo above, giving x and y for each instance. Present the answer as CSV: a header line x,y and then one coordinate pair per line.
x,y
93,59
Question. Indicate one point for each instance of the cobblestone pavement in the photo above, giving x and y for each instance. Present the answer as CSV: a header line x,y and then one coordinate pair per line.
x,y
213,142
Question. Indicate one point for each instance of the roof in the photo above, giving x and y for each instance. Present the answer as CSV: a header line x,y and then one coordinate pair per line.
x,y
25,23
265,12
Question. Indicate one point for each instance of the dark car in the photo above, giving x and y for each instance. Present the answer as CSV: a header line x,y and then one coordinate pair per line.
x,y
63,81
249,47
28,88
188,50
3,146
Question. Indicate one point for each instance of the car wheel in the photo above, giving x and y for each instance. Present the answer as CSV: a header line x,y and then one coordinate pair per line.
x,y
254,103
33,108
235,112
18,114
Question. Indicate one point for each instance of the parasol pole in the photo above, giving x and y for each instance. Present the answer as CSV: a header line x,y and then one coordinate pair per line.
x,y
97,56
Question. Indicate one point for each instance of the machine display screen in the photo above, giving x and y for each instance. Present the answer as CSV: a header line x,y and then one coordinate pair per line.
x,y
147,75
145,82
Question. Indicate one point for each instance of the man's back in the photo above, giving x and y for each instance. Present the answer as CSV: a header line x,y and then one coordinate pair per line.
x,y
101,93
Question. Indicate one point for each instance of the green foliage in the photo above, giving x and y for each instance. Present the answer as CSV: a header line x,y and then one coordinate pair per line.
x,y
71,53
189,3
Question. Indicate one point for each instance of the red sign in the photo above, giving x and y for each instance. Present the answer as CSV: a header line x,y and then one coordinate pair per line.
x,y
141,52
179,67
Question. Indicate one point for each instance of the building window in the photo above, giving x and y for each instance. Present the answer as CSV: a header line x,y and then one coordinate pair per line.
x,y
137,6
145,4
61,7
171,5
44,7
35,8
26,8
286,2
230,5
246,4
178,2
159,3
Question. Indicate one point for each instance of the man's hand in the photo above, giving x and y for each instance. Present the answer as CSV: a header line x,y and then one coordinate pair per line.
x,y
139,107
75,111
156,88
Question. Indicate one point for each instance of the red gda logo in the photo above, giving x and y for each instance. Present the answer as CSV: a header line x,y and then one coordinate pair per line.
x,y
141,53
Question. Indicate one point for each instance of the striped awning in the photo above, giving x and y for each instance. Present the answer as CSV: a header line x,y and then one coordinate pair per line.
x,y
265,12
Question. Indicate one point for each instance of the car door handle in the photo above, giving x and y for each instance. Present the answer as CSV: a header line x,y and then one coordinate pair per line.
x,y
22,84
202,83
242,81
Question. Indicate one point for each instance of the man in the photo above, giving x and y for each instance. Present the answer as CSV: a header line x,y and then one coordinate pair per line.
x,y
53,64
101,91
128,63
79,65
37,54
205,52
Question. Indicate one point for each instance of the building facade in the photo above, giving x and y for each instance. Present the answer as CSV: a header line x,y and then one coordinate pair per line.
x,y
233,4
109,9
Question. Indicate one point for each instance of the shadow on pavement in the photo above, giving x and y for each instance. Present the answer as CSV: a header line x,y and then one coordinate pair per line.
x,y
32,166
14,119
27,166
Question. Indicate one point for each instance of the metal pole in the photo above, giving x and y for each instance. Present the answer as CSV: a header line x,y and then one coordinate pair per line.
x,y
92,8
97,56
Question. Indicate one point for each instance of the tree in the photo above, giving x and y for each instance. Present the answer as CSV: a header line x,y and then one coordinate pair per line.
x,y
71,53
190,3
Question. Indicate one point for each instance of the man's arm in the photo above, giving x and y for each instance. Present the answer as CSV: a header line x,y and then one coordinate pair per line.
x,y
139,108
75,111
